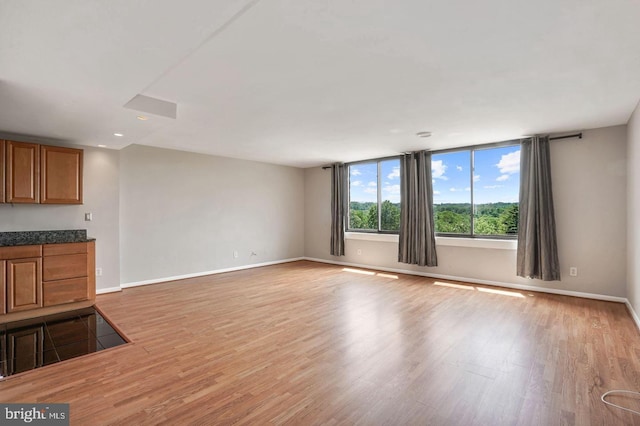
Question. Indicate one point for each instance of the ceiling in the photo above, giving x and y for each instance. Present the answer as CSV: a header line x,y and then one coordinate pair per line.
x,y
309,82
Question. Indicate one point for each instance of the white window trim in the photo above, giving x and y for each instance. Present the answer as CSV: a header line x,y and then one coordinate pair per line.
x,y
440,241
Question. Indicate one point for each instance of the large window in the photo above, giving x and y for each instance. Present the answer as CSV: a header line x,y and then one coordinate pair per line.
x,y
475,191
374,196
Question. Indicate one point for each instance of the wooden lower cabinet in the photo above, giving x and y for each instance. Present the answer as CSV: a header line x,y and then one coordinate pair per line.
x,y
2,172
44,276
24,284
3,287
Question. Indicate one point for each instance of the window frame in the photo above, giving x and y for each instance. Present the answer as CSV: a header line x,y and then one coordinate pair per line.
x,y
377,162
472,149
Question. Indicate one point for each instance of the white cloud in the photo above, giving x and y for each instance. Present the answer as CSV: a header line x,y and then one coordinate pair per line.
x,y
371,190
372,183
468,188
438,168
355,172
452,189
395,173
392,189
356,183
509,163
502,178
436,192
492,186
476,178
459,168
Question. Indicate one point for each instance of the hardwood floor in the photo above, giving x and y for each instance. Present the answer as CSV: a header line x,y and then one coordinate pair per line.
x,y
308,343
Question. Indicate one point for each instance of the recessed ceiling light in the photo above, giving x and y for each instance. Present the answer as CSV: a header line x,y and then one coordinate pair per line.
x,y
142,118
423,134
102,146
118,135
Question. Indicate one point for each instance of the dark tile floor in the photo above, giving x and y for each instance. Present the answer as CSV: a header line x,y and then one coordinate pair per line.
x,y
33,343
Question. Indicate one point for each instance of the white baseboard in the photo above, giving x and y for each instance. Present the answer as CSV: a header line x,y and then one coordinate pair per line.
x,y
213,272
108,290
635,317
476,281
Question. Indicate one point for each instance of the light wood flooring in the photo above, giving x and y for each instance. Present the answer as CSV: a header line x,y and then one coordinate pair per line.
x,y
307,343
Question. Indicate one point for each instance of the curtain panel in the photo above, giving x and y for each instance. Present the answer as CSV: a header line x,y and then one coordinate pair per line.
x,y
338,208
417,242
537,246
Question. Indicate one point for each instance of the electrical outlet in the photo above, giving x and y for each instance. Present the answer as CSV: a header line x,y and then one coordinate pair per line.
x,y
235,254
98,272
573,271
253,253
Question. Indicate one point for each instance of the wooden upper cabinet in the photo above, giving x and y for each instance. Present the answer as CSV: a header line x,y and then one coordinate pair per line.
x,y
60,175
2,148
22,172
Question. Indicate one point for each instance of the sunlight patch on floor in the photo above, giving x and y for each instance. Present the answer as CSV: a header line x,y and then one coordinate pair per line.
x,y
379,274
482,289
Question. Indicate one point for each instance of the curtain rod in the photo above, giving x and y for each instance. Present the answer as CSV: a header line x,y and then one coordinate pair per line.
x,y
575,135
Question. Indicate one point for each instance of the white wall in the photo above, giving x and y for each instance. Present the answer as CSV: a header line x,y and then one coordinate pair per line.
x,y
589,183
101,170
633,209
184,213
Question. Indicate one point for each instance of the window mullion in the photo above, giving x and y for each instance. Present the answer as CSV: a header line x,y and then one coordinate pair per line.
x,y
473,172
379,187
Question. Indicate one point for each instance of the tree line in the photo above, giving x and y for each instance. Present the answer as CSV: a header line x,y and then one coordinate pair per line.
x,y
488,218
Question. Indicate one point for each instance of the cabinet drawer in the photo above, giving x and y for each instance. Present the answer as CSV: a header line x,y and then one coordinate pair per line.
x,y
63,267
67,248
20,252
64,291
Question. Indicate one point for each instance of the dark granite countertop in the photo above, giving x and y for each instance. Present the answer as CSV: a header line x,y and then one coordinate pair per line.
x,y
26,238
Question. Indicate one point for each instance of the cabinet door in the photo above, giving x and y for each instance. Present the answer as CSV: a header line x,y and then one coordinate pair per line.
x,y
2,182
3,287
24,284
60,175
22,172
25,349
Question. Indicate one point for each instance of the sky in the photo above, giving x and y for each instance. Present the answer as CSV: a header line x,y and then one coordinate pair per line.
x,y
363,181
496,177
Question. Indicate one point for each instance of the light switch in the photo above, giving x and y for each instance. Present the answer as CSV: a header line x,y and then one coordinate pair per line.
x,y
88,217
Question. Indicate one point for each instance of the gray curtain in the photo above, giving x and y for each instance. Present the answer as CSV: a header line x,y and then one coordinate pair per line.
x,y
417,244
537,247
338,208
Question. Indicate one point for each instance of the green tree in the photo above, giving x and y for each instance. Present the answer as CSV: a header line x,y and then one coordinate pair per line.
x,y
450,222
372,217
509,220
390,216
486,225
357,219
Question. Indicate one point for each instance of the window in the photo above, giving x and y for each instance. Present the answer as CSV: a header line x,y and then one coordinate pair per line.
x,y
374,196
485,177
